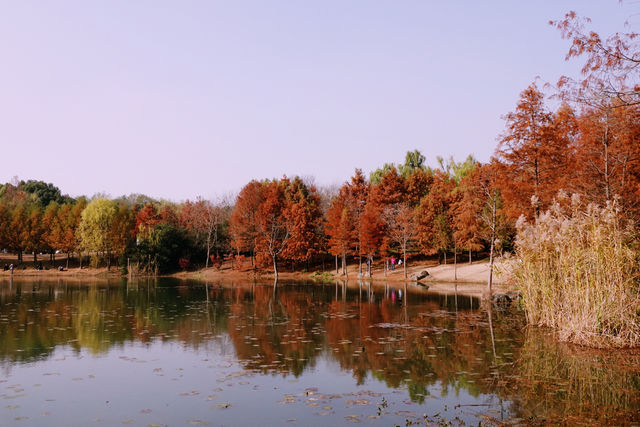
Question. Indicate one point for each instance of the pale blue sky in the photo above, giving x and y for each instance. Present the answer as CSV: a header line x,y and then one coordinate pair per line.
x,y
177,99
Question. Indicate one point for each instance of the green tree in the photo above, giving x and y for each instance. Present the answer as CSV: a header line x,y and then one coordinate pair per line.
x,y
96,226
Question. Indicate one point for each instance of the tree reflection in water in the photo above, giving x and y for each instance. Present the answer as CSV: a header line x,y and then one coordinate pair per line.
x,y
432,345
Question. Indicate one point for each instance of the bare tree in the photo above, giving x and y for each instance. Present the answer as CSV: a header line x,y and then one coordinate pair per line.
x,y
400,227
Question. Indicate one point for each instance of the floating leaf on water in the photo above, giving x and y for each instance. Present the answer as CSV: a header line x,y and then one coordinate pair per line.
x,y
221,406
145,411
21,418
352,418
13,406
127,422
199,423
211,397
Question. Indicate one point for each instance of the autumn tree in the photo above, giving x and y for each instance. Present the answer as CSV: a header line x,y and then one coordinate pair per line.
x,y
205,222
340,227
146,218
358,189
531,156
371,229
51,228
612,65
96,226
303,216
433,217
122,230
271,223
400,226
243,222
466,211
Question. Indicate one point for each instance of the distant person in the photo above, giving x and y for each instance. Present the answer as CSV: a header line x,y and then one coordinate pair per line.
x,y
399,262
393,263
6,267
60,268
11,268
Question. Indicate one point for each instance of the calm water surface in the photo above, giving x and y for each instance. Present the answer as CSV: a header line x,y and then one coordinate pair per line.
x,y
181,353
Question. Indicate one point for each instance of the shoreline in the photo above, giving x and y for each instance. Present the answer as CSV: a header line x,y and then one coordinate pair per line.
x,y
471,278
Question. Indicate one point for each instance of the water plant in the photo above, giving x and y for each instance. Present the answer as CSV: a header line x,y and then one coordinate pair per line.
x,y
577,269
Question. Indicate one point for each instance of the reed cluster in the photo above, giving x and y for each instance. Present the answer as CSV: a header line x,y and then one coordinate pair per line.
x,y
577,269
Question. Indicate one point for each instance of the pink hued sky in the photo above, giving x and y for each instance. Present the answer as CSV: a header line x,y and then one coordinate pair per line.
x,y
177,99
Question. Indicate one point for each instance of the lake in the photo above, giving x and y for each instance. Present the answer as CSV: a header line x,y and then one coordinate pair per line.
x,y
183,353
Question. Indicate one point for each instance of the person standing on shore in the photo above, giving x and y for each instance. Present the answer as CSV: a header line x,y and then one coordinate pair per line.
x,y
11,268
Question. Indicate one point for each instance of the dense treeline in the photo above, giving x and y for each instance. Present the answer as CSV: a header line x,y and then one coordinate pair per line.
x,y
583,141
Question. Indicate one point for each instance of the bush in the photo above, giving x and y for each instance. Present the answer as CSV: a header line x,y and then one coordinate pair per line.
x,y
577,270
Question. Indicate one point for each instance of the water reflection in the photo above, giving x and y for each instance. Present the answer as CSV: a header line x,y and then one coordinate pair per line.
x,y
433,346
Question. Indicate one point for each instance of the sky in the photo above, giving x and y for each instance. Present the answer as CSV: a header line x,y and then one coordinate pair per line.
x,y
179,99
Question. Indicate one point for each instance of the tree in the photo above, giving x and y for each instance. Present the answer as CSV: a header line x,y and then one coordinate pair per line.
x,y
122,230
371,229
612,66
467,208
490,216
162,247
531,156
96,226
413,161
243,222
146,218
63,235
43,193
457,170
358,190
303,216
417,185
271,221
433,217
33,231
205,222
339,227
51,228
400,228
17,228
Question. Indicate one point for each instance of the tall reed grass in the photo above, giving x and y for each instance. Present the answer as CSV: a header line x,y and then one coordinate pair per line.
x,y
577,269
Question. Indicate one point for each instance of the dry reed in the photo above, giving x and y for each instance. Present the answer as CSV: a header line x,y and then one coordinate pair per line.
x,y
577,269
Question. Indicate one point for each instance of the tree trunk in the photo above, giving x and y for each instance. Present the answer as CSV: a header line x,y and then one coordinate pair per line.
x,y
35,257
469,256
206,263
455,260
493,238
344,264
336,263
275,269
404,263
445,256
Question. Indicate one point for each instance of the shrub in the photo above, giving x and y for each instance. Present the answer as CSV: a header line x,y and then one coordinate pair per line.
x,y
577,269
